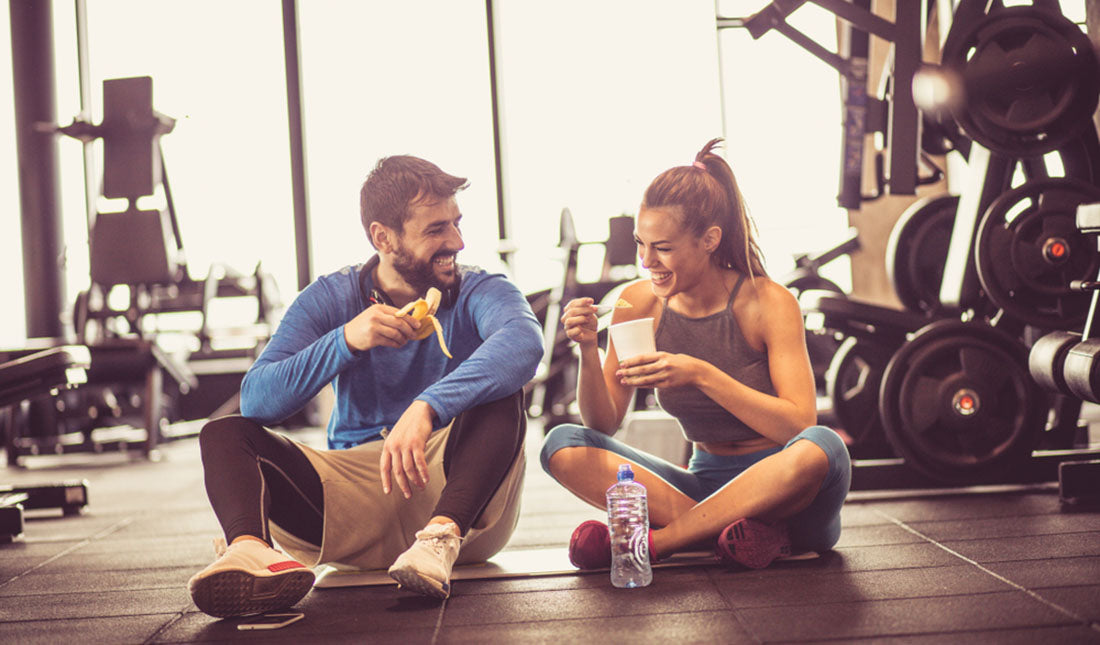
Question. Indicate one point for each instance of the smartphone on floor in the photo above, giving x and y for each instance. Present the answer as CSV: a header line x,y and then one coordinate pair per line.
x,y
270,621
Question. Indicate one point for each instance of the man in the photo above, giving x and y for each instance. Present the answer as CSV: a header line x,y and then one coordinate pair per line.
x,y
416,439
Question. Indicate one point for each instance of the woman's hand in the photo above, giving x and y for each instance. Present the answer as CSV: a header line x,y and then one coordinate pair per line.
x,y
579,320
659,369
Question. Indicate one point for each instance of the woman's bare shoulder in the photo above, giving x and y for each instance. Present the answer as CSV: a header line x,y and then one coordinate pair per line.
x,y
637,301
778,308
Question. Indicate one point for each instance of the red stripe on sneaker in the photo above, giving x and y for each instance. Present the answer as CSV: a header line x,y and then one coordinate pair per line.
x,y
283,566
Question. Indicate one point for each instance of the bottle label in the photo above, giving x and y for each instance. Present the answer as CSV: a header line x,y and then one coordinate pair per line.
x,y
639,548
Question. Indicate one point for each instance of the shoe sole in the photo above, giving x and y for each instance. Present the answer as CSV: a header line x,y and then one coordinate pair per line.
x,y
238,593
409,578
752,543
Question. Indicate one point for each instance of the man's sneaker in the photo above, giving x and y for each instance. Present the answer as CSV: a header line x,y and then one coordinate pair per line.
x,y
590,546
425,567
753,543
249,577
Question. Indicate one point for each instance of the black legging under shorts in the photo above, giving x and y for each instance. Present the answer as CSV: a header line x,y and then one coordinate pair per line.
x,y
254,475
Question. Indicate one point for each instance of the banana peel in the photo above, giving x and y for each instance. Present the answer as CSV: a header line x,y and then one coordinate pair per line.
x,y
423,311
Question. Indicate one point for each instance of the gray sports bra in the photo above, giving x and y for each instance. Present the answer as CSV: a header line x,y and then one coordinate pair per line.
x,y
716,339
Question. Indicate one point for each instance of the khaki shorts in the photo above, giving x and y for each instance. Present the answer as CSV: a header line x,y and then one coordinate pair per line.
x,y
365,529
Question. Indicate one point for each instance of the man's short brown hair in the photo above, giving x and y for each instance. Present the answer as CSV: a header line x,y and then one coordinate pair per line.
x,y
399,182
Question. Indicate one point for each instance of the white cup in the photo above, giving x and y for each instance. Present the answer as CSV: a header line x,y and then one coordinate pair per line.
x,y
632,338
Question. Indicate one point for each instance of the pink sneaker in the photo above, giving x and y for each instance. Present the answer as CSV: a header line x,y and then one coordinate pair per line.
x,y
590,546
753,543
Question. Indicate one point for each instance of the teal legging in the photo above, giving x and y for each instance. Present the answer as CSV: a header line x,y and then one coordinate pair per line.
x,y
815,528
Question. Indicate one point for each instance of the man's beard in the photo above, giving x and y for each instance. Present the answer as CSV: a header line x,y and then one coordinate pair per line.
x,y
419,274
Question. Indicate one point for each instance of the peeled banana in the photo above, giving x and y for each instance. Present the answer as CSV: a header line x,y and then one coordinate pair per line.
x,y
423,310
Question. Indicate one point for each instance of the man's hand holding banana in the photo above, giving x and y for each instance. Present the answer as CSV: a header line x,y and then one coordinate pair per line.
x,y
385,326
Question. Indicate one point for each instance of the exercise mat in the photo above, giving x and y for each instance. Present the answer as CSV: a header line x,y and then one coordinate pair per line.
x,y
517,563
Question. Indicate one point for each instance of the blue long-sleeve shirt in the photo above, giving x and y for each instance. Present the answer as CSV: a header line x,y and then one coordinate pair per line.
x,y
489,329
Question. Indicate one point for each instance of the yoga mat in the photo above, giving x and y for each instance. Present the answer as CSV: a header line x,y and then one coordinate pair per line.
x,y
519,563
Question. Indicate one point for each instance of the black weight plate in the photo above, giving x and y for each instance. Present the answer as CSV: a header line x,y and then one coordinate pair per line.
x,y
958,404
1031,80
1013,254
852,385
917,251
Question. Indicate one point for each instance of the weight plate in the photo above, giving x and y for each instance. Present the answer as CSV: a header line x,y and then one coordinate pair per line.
x,y
1030,77
852,385
958,405
917,251
1028,250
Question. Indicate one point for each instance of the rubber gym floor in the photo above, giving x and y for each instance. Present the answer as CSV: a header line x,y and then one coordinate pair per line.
x,y
995,565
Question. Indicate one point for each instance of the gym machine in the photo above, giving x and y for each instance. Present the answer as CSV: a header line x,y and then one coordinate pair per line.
x,y
941,394
553,390
138,384
34,374
1065,362
893,113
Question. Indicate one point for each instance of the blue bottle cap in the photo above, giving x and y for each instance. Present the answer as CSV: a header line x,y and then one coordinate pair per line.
x,y
625,472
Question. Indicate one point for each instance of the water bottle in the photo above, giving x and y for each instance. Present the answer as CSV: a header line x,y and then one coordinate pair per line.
x,y
628,521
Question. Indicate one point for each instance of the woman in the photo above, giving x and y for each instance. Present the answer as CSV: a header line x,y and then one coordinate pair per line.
x,y
731,366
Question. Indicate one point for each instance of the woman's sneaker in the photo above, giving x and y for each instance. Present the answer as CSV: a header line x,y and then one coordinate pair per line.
x,y
425,567
590,546
753,543
249,577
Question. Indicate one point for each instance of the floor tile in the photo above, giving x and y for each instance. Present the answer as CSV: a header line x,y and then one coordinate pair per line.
x,y
52,606
898,617
357,628
1083,600
998,527
101,631
1066,545
1008,636
970,507
749,589
675,592
874,535
681,628
38,582
1050,572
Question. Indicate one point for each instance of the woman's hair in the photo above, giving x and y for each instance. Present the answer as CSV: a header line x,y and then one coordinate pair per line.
x,y
401,181
707,195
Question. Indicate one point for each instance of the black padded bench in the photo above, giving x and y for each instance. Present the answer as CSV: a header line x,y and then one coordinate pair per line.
x,y
35,374
850,317
115,362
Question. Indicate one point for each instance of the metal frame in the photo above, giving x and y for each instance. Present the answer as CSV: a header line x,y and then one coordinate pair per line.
x,y
296,131
503,223
902,119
